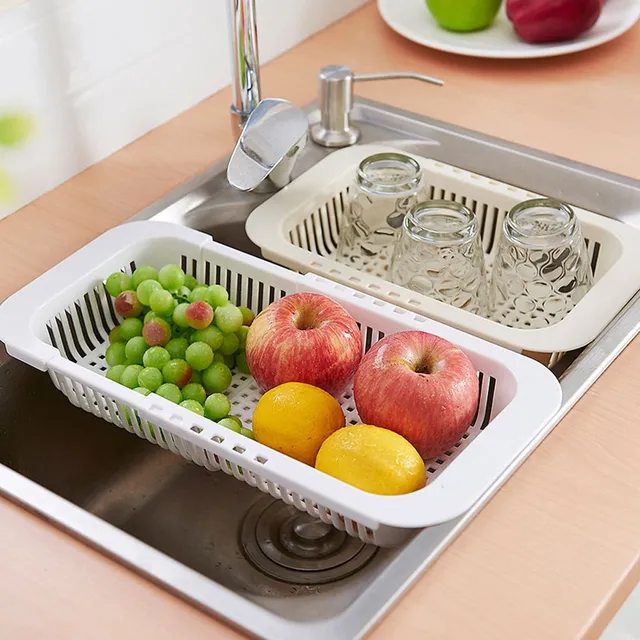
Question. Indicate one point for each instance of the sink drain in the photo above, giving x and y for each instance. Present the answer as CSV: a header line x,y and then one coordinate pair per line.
x,y
290,545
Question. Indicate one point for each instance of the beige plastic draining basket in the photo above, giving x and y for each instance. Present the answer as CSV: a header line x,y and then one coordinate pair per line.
x,y
299,227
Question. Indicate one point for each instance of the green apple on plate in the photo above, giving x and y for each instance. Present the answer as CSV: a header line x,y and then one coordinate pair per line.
x,y
464,15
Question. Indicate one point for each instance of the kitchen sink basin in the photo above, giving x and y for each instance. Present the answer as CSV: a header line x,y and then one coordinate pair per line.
x,y
206,536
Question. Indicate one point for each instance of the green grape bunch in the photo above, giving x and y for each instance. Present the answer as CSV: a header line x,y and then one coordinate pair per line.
x,y
178,338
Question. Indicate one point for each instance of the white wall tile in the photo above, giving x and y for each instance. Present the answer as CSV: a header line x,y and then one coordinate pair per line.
x,y
97,74
47,158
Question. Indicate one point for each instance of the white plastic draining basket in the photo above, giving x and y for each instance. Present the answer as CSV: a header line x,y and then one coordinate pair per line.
x,y
60,323
299,227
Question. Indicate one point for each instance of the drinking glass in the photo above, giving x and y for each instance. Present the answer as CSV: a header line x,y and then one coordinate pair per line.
x,y
542,269
439,254
386,187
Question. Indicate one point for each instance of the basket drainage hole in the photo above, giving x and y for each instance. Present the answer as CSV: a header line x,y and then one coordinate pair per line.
x,y
196,429
260,459
378,303
217,439
239,449
393,294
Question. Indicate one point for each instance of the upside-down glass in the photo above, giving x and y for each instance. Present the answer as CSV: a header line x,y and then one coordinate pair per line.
x,y
439,254
541,269
386,187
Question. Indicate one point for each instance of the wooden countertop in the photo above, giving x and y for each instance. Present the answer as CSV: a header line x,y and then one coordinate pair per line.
x,y
557,550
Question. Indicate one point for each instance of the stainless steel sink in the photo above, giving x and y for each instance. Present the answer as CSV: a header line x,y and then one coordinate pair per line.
x,y
202,534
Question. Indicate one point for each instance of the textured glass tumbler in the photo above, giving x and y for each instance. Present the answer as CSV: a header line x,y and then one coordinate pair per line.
x,y
541,269
386,187
439,254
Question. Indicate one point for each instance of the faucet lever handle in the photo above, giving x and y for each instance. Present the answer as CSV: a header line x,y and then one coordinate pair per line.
x,y
335,98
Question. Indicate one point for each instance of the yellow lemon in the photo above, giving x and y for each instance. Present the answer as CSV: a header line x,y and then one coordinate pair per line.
x,y
372,459
296,418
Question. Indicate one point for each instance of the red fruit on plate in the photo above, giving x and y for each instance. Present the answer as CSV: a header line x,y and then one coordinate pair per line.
x,y
420,386
304,337
538,21
127,305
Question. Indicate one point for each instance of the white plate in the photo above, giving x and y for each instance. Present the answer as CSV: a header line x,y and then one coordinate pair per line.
x,y
412,19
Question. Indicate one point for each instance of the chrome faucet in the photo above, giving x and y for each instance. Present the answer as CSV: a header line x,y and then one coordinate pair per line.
x,y
271,133
245,64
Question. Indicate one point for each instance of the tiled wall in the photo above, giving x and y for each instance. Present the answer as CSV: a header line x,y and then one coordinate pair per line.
x,y
97,74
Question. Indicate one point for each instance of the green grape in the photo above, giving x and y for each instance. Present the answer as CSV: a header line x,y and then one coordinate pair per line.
x,y
199,293
171,277
241,362
179,317
247,316
199,355
184,292
230,361
217,296
236,420
115,372
230,424
115,335
150,378
118,282
193,406
247,433
169,392
145,289
228,318
157,332
142,390
156,357
196,377
190,282
177,372
115,354
216,378
211,336
130,328
135,348
150,315
218,357
194,391
217,406
177,348
242,336
230,344
144,273
161,302
130,375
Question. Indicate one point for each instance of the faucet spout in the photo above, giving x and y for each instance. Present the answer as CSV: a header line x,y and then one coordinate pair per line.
x,y
245,64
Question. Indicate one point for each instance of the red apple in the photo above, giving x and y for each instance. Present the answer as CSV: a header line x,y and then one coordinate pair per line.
x,y
127,304
420,386
304,337
538,21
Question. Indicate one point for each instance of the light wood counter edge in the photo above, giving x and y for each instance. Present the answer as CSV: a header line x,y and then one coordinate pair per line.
x,y
555,553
